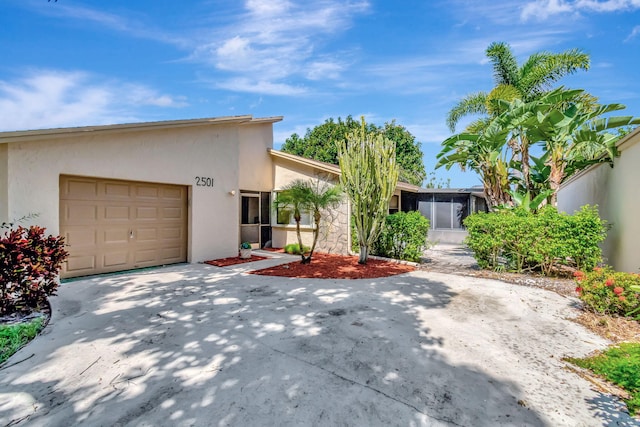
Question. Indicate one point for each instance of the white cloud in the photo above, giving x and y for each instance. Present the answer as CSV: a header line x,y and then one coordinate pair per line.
x,y
274,41
47,98
108,20
543,9
318,70
634,32
268,7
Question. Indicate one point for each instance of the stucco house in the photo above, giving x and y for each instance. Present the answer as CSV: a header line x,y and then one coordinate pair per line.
x,y
614,191
145,194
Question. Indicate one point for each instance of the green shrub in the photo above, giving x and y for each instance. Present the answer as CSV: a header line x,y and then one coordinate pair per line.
x,y
12,337
29,266
403,236
621,366
606,291
542,241
294,248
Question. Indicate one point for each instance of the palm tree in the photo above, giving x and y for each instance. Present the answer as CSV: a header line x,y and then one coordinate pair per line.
x,y
485,153
526,82
308,196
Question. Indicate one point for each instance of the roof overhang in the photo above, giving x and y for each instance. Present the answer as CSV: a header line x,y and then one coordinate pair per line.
x,y
329,168
39,134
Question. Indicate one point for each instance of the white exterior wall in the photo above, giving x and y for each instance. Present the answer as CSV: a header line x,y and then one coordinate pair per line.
x,y
254,162
172,156
615,191
4,182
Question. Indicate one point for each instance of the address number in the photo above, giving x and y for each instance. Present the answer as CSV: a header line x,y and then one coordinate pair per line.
x,y
204,181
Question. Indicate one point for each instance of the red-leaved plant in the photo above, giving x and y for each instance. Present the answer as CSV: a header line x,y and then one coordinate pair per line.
x,y
29,267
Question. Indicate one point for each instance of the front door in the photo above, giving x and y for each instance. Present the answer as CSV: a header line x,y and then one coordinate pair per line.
x,y
255,218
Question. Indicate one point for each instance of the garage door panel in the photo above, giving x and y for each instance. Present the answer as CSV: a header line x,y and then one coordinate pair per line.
x,y
169,233
115,259
147,234
115,191
146,213
118,225
143,256
169,255
80,237
117,213
146,192
172,213
78,265
80,214
172,193
80,189
116,236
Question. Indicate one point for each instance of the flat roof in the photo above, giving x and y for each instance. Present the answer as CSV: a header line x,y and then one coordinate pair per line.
x,y
22,135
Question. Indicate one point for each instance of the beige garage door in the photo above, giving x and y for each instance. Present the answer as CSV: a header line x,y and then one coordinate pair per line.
x,y
114,225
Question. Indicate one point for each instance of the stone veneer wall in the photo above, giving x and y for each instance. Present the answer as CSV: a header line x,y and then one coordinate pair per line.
x,y
334,233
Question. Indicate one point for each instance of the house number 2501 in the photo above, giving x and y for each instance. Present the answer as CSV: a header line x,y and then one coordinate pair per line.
x,y
204,181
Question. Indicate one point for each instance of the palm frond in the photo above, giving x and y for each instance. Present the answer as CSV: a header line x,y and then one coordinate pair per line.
x,y
470,104
544,68
505,65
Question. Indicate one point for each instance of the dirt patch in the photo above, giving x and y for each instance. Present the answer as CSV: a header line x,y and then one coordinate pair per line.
x,y
226,262
332,266
616,329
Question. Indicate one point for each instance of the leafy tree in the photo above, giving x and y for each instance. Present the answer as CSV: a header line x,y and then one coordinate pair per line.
x,y
312,196
526,82
369,177
321,143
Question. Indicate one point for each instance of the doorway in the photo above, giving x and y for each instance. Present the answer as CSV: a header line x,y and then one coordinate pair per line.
x,y
255,218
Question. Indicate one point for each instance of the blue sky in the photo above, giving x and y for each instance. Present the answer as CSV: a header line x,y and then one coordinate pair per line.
x,y
74,62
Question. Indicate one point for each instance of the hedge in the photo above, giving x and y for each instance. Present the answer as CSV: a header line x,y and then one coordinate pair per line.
x,y
518,240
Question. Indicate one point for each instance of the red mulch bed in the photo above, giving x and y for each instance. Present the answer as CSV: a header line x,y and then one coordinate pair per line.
x,y
332,266
226,262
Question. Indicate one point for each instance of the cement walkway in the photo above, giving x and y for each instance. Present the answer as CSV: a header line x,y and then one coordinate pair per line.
x,y
197,345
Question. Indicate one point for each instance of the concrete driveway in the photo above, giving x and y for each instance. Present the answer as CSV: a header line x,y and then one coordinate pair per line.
x,y
196,345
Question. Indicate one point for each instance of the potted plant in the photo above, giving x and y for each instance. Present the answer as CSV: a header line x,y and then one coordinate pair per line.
x,y
245,250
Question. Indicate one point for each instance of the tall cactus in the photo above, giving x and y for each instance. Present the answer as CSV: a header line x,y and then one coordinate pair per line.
x,y
369,177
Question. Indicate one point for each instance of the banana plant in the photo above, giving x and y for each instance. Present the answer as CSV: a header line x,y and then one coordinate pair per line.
x,y
525,201
572,133
486,154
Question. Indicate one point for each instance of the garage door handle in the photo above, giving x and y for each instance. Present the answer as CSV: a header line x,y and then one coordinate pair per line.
x,y
131,234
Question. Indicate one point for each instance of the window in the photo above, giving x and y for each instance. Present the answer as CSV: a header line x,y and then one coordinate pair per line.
x,y
284,216
425,205
449,211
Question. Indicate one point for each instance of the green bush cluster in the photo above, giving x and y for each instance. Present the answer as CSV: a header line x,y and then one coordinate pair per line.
x,y
606,291
294,248
403,236
542,241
